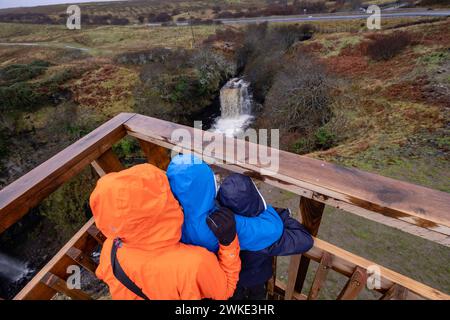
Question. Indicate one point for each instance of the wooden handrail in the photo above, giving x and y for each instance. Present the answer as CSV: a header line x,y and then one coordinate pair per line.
x,y
353,190
29,190
345,263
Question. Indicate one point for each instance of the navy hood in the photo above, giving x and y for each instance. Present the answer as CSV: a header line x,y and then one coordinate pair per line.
x,y
238,193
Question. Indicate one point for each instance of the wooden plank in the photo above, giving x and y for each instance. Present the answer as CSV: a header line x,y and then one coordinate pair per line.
x,y
396,292
345,263
311,212
59,285
280,291
294,264
156,155
424,207
81,240
82,259
272,280
28,191
354,285
320,277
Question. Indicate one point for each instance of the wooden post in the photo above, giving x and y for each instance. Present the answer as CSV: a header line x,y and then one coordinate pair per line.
x,y
395,292
294,263
156,155
107,162
311,211
271,284
354,285
320,277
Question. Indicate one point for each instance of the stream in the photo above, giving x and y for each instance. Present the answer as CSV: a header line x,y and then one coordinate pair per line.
x,y
13,272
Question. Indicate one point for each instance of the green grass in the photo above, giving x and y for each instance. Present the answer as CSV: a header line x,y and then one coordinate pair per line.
x,y
435,59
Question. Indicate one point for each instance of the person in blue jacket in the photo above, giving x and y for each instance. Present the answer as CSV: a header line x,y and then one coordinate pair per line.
x,y
238,193
194,186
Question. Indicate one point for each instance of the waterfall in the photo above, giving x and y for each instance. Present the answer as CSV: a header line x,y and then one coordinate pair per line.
x,y
235,108
12,269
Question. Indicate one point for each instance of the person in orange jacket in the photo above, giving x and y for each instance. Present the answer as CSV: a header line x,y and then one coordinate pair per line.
x,y
142,257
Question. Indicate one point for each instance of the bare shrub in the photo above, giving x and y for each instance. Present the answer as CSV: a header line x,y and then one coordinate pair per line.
x,y
262,52
226,35
287,35
300,98
160,17
310,6
386,46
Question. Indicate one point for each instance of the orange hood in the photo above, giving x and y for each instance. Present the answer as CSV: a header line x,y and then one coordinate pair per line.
x,y
137,206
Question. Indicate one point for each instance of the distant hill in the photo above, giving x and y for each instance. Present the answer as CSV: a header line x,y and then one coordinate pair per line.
x,y
151,11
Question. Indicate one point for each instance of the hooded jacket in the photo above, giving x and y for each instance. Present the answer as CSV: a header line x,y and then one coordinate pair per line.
x,y
238,193
193,183
137,206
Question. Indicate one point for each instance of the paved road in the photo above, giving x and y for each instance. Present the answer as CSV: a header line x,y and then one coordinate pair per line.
x,y
43,44
430,13
347,16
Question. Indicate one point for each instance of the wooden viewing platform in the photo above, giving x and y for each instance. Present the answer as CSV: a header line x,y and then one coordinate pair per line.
x,y
418,210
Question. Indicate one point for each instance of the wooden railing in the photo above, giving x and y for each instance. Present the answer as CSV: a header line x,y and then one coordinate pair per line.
x,y
418,210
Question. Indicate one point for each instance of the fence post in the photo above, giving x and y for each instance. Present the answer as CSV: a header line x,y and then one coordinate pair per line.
x,y
156,155
311,212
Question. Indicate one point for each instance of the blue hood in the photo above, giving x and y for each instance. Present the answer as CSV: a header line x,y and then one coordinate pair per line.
x,y
193,183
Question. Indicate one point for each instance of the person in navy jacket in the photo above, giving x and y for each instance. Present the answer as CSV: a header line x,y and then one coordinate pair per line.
x,y
238,193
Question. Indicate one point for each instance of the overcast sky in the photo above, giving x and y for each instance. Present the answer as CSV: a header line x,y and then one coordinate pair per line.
x,y
32,3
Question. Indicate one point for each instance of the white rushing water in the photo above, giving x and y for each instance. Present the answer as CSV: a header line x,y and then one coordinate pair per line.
x,y
235,108
12,269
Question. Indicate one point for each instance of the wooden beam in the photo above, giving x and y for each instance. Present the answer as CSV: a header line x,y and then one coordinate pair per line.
x,y
156,155
345,263
396,292
59,285
354,285
82,259
311,212
28,191
320,277
325,182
